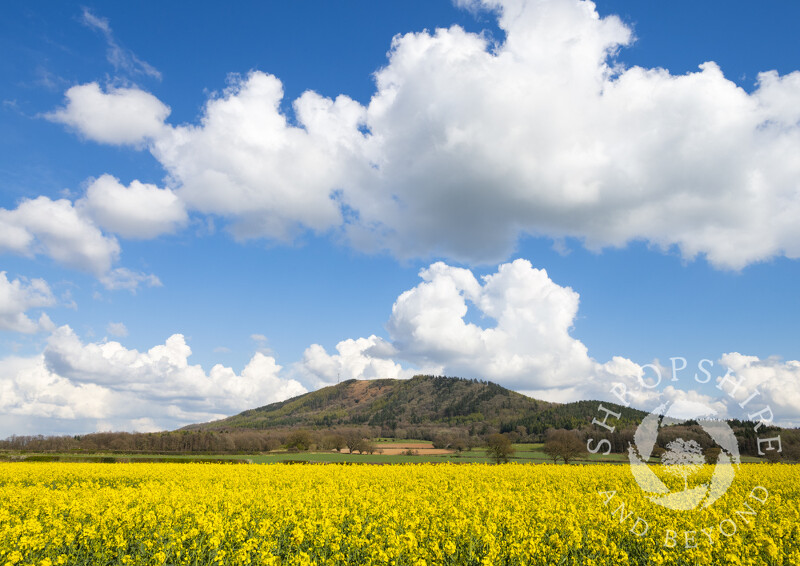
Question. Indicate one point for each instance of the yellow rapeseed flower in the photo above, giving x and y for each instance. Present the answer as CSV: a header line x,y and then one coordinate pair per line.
x,y
405,515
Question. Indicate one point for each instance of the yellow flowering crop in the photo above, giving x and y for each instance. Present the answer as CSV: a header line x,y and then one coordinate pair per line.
x,y
152,514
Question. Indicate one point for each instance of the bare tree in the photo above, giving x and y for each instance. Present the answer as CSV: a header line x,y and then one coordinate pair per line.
x,y
354,441
711,455
564,444
499,447
333,442
299,440
367,446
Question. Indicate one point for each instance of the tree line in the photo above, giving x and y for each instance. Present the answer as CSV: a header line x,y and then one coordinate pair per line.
x,y
559,443
235,441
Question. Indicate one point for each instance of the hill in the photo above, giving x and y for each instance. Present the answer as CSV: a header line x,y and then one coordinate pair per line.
x,y
421,404
445,410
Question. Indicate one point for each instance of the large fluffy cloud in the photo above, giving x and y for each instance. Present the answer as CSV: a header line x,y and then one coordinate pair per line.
x,y
164,373
108,383
522,339
514,327
544,135
526,343
64,232
56,229
30,389
17,297
466,145
247,163
758,384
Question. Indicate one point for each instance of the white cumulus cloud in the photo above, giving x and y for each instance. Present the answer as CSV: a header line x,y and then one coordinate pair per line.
x,y
513,327
63,231
117,116
139,211
543,134
526,342
108,383
466,145
19,296
522,340
31,390
58,230
247,163
163,374
363,358
763,383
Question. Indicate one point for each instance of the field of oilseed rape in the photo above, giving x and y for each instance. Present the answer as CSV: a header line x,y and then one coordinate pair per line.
x,y
153,514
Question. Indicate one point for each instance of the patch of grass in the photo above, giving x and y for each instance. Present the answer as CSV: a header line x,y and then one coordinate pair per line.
x,y
752,460
527,447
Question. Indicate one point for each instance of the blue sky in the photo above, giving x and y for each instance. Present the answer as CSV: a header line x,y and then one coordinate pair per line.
x,y
273,185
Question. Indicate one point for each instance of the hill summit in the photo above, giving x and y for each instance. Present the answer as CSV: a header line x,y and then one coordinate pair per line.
x,y
422,403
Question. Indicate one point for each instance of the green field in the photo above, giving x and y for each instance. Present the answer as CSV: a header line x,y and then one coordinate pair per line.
x,y
524,453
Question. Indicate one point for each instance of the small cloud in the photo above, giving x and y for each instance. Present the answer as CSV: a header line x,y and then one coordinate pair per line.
x,y
561,247
124,278
138,211
95,22
121,58
222,350
67,301
261,344
117,329
49,80
117,116
17,297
